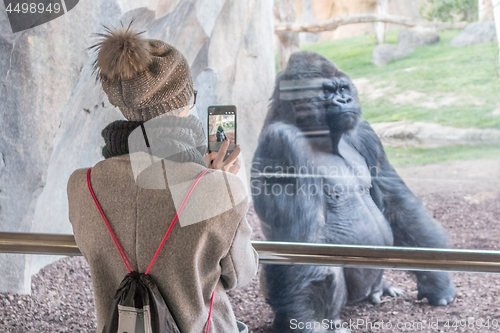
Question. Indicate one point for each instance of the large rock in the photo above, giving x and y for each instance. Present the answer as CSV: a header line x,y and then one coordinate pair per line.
x,y
52,111
430,135
417,36
384,53
476,33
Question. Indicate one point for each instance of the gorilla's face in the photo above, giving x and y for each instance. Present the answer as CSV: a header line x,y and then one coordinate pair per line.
x,y
321,104
342,110
314,95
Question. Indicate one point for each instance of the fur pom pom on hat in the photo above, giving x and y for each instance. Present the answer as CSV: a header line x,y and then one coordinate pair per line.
x,y
144,78
122,54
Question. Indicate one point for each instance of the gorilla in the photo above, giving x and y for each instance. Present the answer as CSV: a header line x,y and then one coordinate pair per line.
x,y
320,175
221,136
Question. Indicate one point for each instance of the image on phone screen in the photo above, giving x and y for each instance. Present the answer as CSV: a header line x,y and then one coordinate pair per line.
x,y
221,126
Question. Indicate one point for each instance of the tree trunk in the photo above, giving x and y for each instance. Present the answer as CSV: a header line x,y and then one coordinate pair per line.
x,y
380,26
485,10
288,43
335,22
496,13
481,10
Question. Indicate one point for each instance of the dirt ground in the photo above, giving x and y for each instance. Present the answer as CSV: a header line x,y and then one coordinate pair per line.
x,y
477,293
463,196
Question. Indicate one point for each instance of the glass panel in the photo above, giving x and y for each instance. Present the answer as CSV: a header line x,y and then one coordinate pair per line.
x,y
360,123
418,168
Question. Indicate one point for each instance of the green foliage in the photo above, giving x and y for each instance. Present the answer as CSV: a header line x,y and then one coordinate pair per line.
x,y
450,10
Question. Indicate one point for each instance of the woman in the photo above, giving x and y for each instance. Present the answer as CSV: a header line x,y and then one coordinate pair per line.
x,y
146,79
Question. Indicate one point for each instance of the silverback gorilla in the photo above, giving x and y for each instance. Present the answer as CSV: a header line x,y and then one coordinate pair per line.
x,y
320,175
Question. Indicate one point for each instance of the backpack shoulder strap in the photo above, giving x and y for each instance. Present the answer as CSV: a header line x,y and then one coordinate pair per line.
x,y
125,259
119,247
176,217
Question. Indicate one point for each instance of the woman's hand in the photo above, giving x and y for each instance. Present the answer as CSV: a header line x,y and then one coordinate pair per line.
x,y
231,164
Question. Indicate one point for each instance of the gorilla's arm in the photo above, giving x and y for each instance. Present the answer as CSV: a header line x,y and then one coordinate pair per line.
x,y
290,212
280,200
411,223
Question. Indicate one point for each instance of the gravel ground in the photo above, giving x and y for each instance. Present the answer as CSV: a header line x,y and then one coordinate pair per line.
x,y
477,293
62,299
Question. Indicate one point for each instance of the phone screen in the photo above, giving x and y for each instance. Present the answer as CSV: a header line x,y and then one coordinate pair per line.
x,y
221,126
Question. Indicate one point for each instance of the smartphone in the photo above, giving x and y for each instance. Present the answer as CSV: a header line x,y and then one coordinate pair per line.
x,y
221,126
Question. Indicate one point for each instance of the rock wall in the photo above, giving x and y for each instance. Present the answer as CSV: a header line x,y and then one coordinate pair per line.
x,y
52,111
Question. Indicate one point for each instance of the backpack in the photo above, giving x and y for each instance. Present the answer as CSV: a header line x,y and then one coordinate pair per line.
x,y
138,305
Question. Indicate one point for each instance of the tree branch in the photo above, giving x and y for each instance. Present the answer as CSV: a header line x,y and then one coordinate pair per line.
x,y
336,22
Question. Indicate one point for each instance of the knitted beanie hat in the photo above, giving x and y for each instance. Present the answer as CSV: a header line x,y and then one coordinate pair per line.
x,y
144,78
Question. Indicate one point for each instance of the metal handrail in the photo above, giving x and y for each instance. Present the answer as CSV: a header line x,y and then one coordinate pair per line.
x,y
300,253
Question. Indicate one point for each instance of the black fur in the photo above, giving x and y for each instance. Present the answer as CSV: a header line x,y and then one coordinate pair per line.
x,y
372,207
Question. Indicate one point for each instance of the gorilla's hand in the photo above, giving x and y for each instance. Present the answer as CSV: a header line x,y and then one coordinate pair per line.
x,y
436,287
282,144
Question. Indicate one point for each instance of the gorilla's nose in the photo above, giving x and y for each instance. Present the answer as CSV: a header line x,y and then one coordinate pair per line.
x,y
342,100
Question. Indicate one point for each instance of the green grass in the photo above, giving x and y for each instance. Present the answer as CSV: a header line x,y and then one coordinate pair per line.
x,y
443,70
418,156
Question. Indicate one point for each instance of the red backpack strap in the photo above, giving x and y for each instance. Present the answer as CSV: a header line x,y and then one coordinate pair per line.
x,y
111,232
210,313
176,217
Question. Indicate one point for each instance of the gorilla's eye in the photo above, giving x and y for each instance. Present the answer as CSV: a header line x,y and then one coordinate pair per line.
x,y
327,94
341,89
